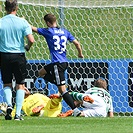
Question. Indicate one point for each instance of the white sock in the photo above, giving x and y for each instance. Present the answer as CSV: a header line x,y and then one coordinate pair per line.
x,y
76,112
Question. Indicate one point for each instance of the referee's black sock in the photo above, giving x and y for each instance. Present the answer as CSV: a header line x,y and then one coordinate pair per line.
x,y
69,100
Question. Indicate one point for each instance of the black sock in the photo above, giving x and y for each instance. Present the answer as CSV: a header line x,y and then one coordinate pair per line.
x,y
69,100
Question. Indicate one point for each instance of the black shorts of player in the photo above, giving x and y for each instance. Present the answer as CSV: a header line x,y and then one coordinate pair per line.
x,y
13,65
56,73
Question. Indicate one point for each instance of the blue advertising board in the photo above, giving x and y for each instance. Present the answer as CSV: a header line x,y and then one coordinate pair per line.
x,y
80,76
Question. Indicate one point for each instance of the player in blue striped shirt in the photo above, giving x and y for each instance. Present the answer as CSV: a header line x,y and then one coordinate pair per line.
x,y
13,62
56,39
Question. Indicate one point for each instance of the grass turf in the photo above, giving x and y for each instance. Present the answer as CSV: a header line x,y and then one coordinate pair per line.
x,y
68,125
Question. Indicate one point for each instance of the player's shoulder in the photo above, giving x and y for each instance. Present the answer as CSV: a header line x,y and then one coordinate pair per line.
x,y
43,29
22,20
66,30
61,29
96,88
38,94
4,17
106,92
103,90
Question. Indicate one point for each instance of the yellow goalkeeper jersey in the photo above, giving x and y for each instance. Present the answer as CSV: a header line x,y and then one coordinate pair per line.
x,y
52,107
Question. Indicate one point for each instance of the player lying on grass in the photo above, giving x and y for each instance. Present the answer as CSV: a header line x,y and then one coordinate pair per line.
x,y
99,104
39,105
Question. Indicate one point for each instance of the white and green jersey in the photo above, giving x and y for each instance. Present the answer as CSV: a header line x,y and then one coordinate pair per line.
x,y
102,102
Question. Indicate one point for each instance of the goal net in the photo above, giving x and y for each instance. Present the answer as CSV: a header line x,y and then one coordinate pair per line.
x,y
105,30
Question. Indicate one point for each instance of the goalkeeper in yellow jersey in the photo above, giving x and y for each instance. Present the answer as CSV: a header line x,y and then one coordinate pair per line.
x,y
41,105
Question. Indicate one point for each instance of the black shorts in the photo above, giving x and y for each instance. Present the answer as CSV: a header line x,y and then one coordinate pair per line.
x,y
56,73
13,65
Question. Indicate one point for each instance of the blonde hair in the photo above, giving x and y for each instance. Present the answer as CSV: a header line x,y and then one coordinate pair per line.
x,y
101,83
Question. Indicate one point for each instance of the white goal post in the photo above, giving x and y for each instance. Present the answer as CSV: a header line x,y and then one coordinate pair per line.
x,y
105,30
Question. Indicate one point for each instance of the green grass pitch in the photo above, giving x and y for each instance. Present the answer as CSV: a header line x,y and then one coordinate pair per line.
x,y
68,125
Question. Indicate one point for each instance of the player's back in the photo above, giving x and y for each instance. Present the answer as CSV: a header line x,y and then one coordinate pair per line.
x,y
12,32
103,97
33,101
57,40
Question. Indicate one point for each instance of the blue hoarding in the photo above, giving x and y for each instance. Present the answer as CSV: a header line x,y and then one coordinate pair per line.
x,y
81,75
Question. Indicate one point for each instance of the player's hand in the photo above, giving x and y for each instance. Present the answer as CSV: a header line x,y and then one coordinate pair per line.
x,y
80,56
27,47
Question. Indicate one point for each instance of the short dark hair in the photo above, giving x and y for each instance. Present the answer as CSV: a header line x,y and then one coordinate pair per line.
x,y
50,18
101,83
10,5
